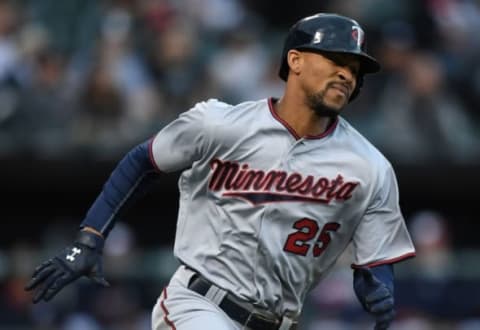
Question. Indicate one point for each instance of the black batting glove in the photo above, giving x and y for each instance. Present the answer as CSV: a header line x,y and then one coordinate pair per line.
x,y
375,297
82,258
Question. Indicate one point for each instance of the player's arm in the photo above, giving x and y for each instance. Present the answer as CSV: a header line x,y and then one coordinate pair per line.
x,y
92,230
380,240
130,180
175,147
374,288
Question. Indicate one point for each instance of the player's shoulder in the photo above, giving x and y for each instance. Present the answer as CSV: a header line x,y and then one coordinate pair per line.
x,y
212,105
361,145
216,108
216,104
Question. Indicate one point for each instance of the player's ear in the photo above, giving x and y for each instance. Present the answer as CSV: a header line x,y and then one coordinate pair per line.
x,y
295,60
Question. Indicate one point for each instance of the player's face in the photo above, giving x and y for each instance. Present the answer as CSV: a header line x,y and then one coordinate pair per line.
x,y
329,80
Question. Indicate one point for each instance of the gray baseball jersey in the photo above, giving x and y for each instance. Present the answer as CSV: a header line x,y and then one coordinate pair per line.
x,y
265,213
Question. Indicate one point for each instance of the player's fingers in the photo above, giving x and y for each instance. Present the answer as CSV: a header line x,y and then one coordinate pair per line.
x,y
57,285
48,283
378,294
39,268
101,281
383,321
40,276
382,326
382,306
97,275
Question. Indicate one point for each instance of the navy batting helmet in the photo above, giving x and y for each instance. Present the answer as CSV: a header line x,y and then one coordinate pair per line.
x,y
329,33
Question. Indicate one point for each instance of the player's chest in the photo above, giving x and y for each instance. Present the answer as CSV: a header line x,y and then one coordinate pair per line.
x,y
297,172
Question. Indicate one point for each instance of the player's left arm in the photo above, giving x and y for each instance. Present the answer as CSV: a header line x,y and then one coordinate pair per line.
x,y
374,288
380,240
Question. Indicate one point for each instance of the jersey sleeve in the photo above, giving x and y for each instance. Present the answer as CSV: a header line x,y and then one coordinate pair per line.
x,y
382,236
181,142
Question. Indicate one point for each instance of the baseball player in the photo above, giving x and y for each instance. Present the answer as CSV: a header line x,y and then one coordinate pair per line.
x,y
271,193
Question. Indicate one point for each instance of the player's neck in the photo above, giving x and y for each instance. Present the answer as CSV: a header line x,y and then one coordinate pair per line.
x,y
302,119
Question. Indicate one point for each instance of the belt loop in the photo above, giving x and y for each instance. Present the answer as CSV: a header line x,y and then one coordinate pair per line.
x,y
215,294
183,275
286,324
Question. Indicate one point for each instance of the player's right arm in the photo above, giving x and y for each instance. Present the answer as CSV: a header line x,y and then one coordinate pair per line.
x,y
175,147
130,180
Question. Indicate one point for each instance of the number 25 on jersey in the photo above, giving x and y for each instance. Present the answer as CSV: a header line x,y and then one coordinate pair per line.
x,y
299,242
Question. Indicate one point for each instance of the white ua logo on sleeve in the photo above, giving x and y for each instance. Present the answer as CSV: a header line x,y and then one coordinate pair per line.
x,y
71,257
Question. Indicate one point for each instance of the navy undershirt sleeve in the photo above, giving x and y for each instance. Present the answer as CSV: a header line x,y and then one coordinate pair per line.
x,y
129,181
385,274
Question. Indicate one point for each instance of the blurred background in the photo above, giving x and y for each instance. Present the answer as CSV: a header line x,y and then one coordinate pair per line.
x,y
83,81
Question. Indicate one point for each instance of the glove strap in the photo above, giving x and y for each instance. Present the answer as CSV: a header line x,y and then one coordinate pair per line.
x,y
90,240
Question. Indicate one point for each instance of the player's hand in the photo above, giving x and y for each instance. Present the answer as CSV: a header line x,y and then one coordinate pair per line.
x,y
82,258
375,297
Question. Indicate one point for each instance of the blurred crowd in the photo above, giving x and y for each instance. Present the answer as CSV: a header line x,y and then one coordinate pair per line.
x,y
91,78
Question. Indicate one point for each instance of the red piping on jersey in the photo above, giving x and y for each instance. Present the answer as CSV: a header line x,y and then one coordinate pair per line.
x,y
329,129
165,310
388,261
150,154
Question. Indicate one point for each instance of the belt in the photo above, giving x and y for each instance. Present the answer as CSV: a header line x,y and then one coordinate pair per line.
x,y
242,315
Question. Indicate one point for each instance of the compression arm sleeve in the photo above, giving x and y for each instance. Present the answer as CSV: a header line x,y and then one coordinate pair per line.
x,y
129,181
385,274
